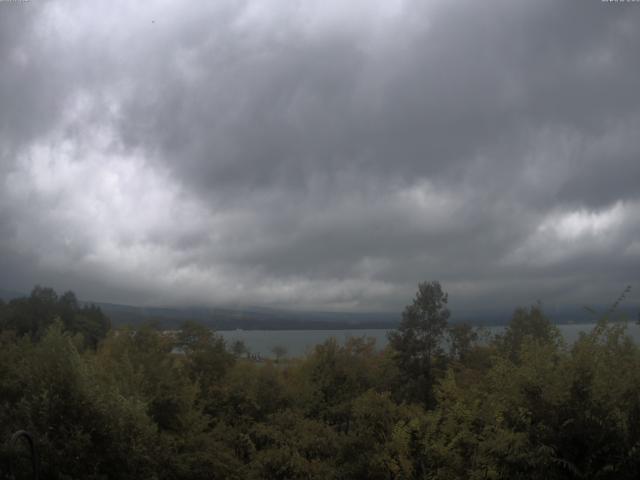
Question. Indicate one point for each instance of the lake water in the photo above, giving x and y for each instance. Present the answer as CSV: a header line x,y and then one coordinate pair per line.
x,y
300,342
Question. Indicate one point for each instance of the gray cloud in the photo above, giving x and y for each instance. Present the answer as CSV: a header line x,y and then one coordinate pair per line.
x,y
321,156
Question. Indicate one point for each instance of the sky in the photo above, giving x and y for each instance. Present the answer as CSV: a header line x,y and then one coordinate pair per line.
x,y
321,155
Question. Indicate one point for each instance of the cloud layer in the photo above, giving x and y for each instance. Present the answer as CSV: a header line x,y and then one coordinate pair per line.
x,y
321,155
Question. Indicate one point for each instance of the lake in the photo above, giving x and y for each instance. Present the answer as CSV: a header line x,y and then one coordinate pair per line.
x,y
301,342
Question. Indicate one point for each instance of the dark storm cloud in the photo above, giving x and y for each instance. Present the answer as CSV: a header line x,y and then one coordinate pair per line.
x,y
325,156
282,104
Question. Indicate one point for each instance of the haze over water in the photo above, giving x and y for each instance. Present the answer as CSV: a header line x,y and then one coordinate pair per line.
x,y
301,342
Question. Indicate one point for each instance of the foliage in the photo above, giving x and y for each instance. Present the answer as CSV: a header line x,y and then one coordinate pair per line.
x,y
462,339
146,404
33,315
527,325
417,344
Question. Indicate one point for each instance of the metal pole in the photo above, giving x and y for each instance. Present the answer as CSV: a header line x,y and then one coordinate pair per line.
x,y
32,447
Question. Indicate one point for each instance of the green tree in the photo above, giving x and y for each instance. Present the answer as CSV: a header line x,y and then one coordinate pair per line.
x,y
33,315
279,351
527,324
417,343
293,447
462,339
335,375
92,324
239,348
67,308
85,428
207,358
379,442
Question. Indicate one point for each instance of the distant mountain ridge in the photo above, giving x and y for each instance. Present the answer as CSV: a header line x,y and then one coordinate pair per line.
x,y
249,318
7,295
264,318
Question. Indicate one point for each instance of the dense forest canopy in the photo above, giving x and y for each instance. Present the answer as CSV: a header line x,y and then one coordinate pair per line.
x,y
33,315
141,404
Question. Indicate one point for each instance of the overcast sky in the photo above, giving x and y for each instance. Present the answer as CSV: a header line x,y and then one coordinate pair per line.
x,y
321,154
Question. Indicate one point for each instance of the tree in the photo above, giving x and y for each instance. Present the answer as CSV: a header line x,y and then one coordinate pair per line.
x,y
378,444
462,338
92,323
239,348
206,356
417,343
84,427
279,351
33,315
527,325
67,309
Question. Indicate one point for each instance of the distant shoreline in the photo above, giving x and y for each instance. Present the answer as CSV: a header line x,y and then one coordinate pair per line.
x,y
390,327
